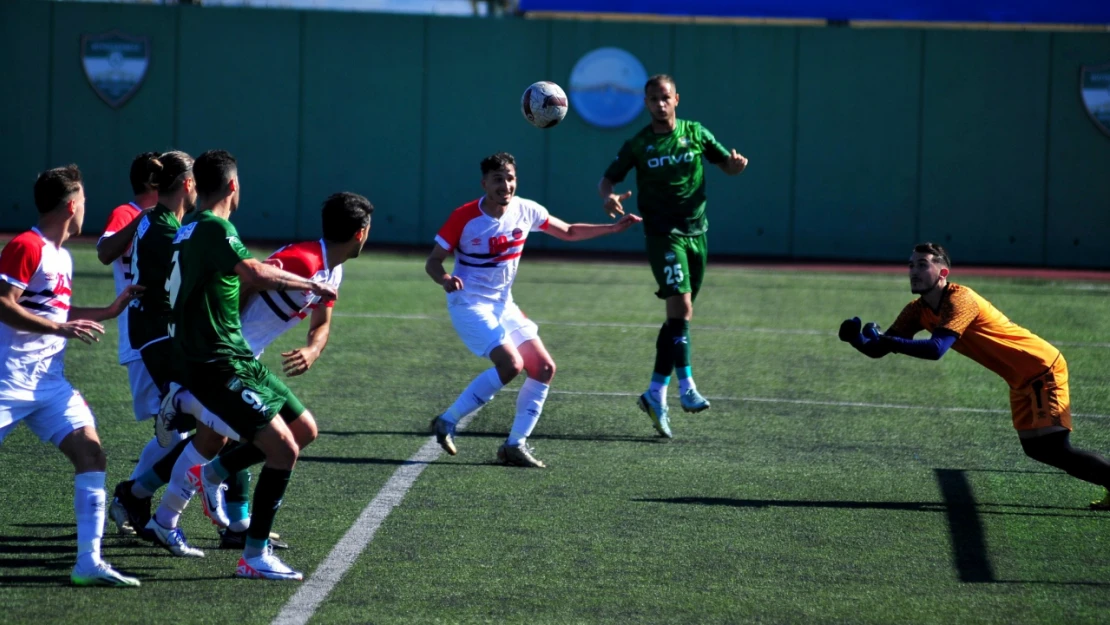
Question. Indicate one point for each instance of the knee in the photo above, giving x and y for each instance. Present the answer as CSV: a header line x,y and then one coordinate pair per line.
x,y
95,459
287,455
305,430
545,371
84,452
509,368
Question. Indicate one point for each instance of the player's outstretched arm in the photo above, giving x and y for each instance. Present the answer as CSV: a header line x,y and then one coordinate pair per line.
x,y
299,360
435,270
262,277
580,232
111,311
15,316
111,247
613,201
864,339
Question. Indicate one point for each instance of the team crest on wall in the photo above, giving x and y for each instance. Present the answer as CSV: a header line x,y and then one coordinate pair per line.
x,y
115,64
1094,89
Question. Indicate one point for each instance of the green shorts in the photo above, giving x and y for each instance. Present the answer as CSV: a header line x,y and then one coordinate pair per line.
x,y
678,263
242,392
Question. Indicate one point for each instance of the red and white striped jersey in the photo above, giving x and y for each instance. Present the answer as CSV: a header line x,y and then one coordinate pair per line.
x,y
487,250
269,313
121,273
34,363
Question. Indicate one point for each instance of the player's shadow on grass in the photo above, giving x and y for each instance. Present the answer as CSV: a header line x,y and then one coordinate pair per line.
x,y
970,556
610,438
381,461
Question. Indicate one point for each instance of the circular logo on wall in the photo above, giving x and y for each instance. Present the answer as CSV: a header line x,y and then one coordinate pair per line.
x,y
607,87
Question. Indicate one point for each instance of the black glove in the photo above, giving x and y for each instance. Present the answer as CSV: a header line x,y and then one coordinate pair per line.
x,y
850,329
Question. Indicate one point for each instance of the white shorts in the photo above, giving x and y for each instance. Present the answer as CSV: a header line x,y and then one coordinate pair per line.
x,y
145,397
51,418
483,327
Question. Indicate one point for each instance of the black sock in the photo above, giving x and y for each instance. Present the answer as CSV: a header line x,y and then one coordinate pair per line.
x,y
267,499
235,459
664,354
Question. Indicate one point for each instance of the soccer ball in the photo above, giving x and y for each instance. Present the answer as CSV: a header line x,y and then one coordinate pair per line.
x,y
544,104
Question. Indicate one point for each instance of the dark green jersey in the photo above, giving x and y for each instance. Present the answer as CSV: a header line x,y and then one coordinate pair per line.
x,y
148,316
670,178
204,290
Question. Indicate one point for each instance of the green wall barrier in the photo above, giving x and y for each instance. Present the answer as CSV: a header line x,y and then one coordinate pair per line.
x,y
862,141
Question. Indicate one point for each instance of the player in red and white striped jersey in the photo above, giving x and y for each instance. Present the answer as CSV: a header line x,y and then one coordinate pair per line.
x,y
487,238
36,319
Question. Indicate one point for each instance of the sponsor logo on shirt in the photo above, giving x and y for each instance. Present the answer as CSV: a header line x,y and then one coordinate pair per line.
x,y
498,244
185,232
517,233
661,161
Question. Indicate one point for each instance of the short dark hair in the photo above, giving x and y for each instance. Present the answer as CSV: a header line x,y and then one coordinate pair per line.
x,y
168,170
344,214
940,255
213,170
53,186
658,80
140,172
497,161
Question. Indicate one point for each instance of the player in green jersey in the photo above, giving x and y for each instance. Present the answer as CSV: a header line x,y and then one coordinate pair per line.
x,y
170,174
670,181
217,365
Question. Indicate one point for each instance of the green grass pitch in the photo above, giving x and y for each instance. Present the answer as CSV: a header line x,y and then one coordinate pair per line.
x,y
822,486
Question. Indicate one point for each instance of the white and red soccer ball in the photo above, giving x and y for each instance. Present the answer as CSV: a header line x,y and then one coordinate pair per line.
x,y
544,104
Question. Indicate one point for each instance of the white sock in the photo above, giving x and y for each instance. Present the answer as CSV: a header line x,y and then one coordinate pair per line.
x,y
88,503
529,405
658,390
188,404
685,384
152,453
180,490
478,393
241,525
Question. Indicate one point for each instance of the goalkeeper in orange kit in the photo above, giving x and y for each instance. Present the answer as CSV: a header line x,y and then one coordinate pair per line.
x,y
961,319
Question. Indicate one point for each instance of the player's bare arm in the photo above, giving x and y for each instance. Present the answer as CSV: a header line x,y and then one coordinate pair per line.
x,y
300,360
581,232
18,317
613,201
111,311
434,268
112,247
735,163
261,277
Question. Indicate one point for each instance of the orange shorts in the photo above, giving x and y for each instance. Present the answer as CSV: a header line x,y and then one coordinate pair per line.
x,y
1043,402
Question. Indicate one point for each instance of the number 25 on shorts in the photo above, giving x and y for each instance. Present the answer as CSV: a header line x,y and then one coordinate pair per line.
x,y
673,273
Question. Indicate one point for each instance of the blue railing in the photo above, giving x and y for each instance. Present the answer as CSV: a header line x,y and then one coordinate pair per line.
x,y
1004,11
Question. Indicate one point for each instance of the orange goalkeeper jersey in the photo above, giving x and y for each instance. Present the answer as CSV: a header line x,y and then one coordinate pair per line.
x,y
985,335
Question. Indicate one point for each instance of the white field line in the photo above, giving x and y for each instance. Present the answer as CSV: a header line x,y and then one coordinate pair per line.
x,y
821,402
303,604
655,326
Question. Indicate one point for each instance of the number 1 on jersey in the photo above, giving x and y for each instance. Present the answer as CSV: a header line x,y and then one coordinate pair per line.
x,y
173,283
